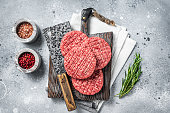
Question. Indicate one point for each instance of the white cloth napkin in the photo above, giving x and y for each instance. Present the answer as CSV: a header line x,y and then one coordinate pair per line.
x,y
122,45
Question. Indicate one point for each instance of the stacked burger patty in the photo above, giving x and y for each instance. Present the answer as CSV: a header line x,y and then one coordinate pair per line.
x,y
84,59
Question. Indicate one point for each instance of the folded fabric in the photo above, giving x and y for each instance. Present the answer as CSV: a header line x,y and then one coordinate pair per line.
x,y
122,45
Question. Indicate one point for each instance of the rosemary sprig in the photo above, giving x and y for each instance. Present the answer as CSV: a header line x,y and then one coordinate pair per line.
x,y
134,71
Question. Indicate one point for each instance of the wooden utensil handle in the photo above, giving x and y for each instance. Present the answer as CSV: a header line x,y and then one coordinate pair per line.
x,y
66,90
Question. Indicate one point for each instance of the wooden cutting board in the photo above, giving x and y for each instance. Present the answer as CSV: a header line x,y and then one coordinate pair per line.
x,y
54,90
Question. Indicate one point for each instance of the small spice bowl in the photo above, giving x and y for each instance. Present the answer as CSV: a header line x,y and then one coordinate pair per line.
x,y
27,60
25,30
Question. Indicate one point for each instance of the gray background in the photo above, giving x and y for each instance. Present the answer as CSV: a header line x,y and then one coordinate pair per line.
x,y
148,22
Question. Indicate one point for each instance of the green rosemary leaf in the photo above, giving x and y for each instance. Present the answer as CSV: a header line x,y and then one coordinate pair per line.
x,y
123,80
131,77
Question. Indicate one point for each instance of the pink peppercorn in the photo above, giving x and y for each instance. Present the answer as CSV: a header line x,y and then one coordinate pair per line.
x,y
26,60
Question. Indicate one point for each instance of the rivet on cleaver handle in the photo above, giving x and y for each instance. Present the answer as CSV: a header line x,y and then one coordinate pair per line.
x,y
66,90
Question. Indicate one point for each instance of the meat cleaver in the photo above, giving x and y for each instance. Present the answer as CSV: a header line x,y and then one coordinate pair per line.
x,y
53,36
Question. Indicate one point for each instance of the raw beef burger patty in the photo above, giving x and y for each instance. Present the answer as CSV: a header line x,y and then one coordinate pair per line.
x,y
80,63
70,40
91,85
100,49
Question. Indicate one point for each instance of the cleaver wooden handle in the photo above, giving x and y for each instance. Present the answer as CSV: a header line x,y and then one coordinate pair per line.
x,y
66,90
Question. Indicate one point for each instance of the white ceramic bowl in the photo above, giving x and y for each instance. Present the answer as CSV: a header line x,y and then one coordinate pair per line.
x,y
37,60
34,35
